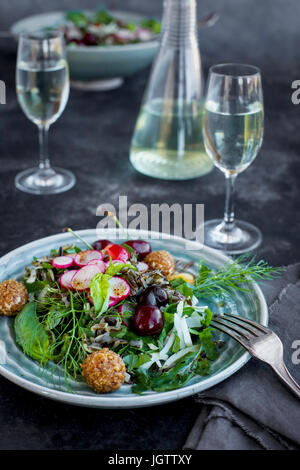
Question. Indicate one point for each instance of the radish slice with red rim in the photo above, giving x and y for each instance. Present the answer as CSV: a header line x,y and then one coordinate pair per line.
x,y
115,251
83,277
98,262
119,288
72,255
65,279
84,257
112,302
62,262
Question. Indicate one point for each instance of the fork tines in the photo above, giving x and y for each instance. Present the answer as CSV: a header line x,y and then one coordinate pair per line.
x,y
239,328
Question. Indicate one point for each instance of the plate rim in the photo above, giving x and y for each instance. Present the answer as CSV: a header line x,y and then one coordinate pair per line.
x,y
132,401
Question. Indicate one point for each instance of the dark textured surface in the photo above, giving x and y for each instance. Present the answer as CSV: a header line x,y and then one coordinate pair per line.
x,y
92,139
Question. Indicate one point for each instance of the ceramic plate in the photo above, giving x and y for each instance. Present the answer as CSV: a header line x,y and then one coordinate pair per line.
x,y
27,373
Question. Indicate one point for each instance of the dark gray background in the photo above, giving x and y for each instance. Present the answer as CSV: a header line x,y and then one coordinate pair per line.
x,y
92,138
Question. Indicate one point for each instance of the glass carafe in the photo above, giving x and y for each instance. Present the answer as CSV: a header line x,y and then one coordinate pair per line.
x,y
167,141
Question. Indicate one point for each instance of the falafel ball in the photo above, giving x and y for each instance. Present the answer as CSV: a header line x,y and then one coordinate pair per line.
x,y
13,297
161,260
104,371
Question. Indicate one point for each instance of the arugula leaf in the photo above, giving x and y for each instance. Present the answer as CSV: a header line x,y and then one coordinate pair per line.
x,y
203,367
176,345
35,286
31,335
174,378
208,317
47,265
208,345
152,24
133,361
102,16
131,26
183,287
99,291
77,17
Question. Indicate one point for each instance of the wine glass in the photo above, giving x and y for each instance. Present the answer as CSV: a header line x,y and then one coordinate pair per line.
x,y
233,133
42,82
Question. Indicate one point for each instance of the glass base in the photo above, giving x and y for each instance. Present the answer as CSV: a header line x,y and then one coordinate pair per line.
x,y
166,164
47,181
97,85
241,237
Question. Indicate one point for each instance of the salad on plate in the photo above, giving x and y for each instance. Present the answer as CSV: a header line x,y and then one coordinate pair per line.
x,y
119,313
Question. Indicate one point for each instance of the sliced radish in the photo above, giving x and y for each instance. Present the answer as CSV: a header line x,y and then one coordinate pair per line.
x,y
119,288
98,262
112,302
124,35
115,251
83,277
72,255
88,294
83,258
142,267
144,34
62,262
66,279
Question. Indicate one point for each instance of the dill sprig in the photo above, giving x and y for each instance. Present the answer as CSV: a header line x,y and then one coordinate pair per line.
x,y
233,275
72,322
76,235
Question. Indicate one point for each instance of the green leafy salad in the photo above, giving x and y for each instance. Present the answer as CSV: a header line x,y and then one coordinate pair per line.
x,y
103,28
142,305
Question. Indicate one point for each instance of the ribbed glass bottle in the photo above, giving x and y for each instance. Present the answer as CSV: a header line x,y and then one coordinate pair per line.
x,y
167,141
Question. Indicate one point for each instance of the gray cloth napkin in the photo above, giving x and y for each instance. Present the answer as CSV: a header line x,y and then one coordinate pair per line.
x,y
253,409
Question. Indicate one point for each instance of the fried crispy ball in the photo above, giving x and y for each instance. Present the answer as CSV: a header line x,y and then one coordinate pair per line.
x,y
161,260
104,371
187,277
13,297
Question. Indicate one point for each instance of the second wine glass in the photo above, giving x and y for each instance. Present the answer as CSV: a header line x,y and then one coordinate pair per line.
x,y
233,133
42,81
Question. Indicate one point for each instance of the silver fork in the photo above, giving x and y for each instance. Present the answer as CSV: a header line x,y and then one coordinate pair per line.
x,y
261,342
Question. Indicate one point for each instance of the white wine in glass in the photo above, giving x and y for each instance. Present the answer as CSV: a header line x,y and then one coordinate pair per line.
x,y
42,82
233,134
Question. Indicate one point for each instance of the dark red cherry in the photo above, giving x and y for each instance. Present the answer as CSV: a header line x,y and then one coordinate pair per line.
x,y
100,244
89,39
154,295
141,247
148,320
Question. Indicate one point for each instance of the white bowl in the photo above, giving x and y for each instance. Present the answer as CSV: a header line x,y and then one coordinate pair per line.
x,y
96,67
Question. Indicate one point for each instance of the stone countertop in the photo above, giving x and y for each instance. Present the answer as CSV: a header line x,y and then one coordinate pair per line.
x,y
92,139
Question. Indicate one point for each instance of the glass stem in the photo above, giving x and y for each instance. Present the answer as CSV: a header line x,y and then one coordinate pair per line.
x,y
44,163
229,203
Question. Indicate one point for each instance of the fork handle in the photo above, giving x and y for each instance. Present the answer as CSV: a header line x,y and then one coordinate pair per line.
x,y
286,378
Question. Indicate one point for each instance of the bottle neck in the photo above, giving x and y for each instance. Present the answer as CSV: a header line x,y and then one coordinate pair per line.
x,y
179,22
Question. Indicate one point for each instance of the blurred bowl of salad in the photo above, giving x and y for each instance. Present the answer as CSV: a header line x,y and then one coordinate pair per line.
x,y
102,47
